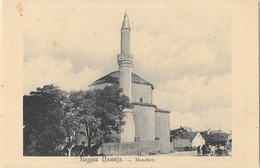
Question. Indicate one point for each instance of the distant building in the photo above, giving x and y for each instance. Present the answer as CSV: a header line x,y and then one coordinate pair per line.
x,y
188,129
187,140
180,130
229,140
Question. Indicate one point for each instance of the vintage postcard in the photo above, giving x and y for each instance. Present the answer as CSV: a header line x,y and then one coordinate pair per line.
x,y
129,83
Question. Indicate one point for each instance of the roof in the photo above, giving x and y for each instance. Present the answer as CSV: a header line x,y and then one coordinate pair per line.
x,y
181,129
176,132
186,135
162,111
113,77
216,131
214,137
144,104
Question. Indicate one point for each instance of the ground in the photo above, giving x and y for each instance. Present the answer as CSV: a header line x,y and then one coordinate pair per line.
x,y
184,153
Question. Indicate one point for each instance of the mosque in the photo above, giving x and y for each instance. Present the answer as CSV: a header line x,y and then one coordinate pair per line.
x,y
145,121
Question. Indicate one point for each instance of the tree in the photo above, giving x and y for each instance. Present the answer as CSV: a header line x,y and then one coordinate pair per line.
x,y
42,115
101,111
52,117
68,127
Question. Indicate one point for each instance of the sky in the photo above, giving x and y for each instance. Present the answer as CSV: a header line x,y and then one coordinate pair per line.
x,y
183,50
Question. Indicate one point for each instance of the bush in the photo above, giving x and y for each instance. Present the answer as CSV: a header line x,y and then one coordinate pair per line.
x,y
187,148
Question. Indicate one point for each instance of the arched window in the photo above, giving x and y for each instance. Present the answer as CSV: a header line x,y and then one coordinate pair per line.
x,y
141,99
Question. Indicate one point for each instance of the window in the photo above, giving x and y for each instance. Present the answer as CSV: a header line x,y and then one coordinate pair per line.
x,y
141,99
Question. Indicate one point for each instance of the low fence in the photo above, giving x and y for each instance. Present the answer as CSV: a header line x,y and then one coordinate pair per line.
x,y
181,143
130,148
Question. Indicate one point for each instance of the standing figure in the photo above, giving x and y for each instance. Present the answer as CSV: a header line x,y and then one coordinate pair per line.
x,y
222,150
218,151
212,150
203,148
198,150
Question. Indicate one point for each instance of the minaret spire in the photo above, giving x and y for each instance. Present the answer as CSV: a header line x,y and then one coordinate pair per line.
x,y
125,36
126,24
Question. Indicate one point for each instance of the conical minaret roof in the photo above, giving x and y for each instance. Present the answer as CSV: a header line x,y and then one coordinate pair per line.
x,y
126,24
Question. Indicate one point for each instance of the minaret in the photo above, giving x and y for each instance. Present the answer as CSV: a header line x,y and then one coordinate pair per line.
x,y
125,62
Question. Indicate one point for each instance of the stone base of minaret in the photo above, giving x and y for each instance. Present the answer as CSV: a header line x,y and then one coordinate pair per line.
x,y
128,133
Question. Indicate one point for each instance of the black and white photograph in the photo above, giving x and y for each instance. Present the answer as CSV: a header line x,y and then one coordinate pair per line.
x,y
129,83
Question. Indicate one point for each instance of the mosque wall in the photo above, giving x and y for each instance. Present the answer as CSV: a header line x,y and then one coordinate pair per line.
x,y
162,129
141,91
144,118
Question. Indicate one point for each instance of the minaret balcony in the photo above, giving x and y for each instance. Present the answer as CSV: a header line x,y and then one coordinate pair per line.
x,y
123,59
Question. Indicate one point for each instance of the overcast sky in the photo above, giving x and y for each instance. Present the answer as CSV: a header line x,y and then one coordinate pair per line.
x,y
183,50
